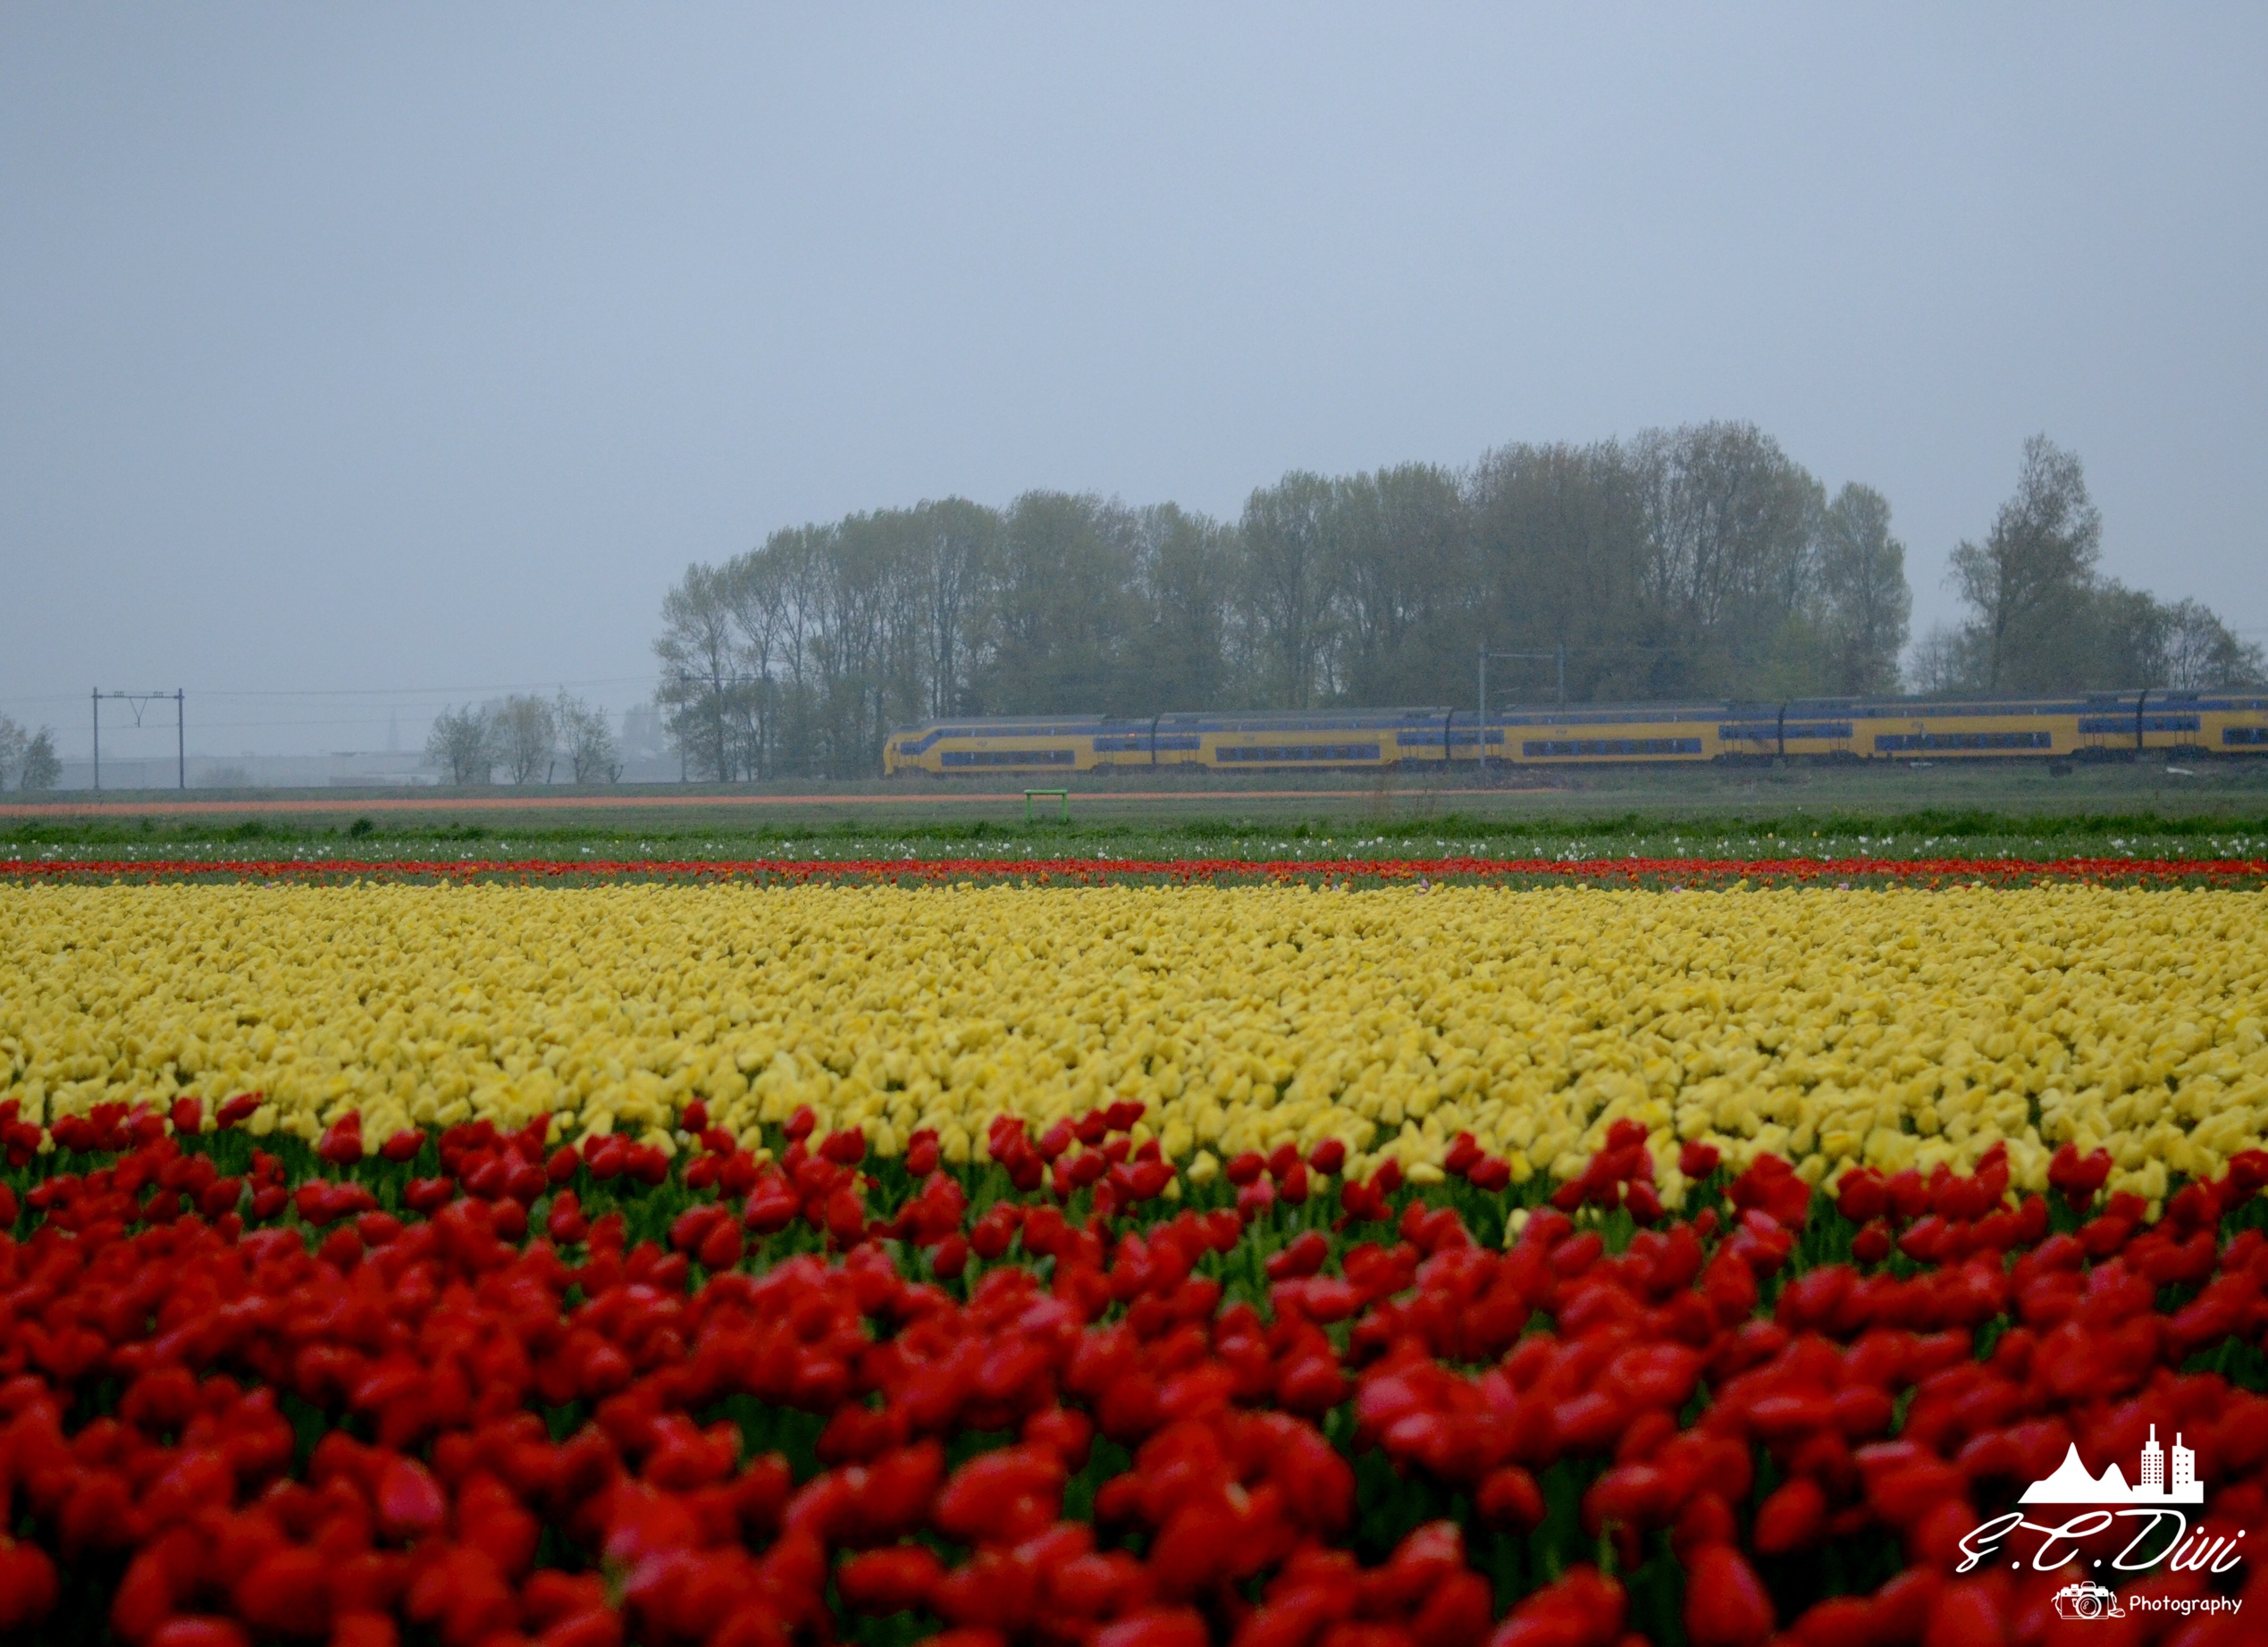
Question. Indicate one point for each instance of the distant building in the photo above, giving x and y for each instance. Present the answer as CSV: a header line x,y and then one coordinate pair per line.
x,y
345,769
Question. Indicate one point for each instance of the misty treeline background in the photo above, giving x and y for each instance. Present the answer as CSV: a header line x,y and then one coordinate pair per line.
x,y
534,740
27,758
1697,562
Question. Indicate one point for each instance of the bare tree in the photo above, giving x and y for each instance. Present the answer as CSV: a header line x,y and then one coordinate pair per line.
x,y
957,540
755,595
464,744
588,738
2026,582
699,668
528,732
1286,537
1944,663
2202,651
41,769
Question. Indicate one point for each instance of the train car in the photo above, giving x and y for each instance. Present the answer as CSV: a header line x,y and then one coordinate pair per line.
x,y
2231,723
1612,733
1326,739
2092,726
1233,742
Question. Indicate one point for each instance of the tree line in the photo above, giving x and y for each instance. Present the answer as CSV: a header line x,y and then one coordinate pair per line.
x,y
1697,562
533,740
2042,617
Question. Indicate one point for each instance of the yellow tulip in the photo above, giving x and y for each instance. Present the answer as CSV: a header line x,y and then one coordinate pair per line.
x,y
1905,1028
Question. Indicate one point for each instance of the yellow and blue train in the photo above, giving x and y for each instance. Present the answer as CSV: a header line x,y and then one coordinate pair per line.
x,y
2091,726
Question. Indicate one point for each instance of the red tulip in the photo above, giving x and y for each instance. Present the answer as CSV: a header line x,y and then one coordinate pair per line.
x,y
1794,1518
341,1145
1725,1605
199,1633
28,1585
889,1580
409,1501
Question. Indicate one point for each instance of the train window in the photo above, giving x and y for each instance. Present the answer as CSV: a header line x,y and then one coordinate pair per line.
x,y
2115,724
1007,757
1768,731
1889,742
1142,744
1271,753
1463,737
1546,747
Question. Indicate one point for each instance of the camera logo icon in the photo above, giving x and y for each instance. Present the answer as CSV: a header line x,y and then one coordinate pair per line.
x,y
2086,1599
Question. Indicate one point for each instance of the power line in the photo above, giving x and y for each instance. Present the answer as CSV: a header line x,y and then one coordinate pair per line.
x,y
408,692
362,692
141,701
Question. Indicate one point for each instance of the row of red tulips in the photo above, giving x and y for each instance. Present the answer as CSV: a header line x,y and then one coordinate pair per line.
x,y
469,1389
1684,872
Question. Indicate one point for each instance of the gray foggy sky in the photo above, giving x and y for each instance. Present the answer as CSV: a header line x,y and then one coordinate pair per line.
x,y
405,347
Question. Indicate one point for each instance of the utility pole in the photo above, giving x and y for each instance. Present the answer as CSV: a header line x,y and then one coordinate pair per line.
x,y
139,699
1483,719
716,684
1559,653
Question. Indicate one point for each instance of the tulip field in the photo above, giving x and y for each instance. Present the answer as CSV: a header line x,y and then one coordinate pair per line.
x,y
1447,1254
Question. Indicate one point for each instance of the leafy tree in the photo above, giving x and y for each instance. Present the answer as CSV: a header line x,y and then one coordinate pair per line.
x,y
2133,639
1286,582
464,744
2027,583
1730,521
12,743
2042,619
1065,609
1560,547
1402,574
1186,579
2117,638
1866,605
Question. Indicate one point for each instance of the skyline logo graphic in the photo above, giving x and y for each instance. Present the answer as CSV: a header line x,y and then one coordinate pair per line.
x,y
2069,1483
2112,1529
